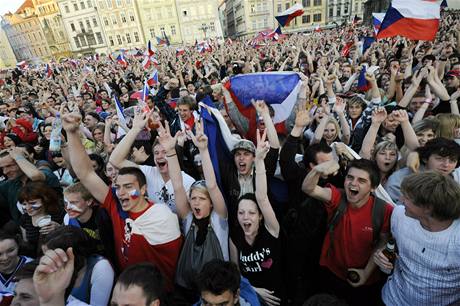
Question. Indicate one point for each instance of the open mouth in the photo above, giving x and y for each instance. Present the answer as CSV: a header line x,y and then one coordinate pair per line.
x,y
353,191
197,210
246,226
242,167
161,164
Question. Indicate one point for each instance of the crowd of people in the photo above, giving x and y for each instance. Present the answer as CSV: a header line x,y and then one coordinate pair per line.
x,y
353,200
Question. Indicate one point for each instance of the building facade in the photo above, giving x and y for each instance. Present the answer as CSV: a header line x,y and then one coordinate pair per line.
x,y
83,27
247,17
51,22
121,24
198,19
25,34
7,57
159,19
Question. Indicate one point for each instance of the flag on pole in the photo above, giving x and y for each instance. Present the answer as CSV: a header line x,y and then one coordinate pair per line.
x,y
365,43
150,50
153,80
363,84
121,60
377,19
288,15
161,41
121,118
146,62
346,49
48,70
414,19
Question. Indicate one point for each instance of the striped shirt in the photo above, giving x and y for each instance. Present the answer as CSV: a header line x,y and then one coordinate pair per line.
x,y
427,271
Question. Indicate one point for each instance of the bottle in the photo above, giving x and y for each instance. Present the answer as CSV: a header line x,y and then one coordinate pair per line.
x,y
55,139
353,277
390,251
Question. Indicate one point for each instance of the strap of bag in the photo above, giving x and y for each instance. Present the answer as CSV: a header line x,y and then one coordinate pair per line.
x,y
378,216
336,218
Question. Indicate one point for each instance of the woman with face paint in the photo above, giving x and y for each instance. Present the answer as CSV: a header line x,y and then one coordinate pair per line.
x,y
42,213
255,245
203,213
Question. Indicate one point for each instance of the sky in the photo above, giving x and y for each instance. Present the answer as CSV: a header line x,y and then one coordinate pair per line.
x,y
9,5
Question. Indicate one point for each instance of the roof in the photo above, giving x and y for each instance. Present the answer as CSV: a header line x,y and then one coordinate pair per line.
x,y
26,4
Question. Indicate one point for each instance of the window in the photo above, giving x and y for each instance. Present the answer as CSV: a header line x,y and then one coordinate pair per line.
x,y
254,25
82,27
119,39
184,13
212,26
128,38
82,5
280,7
316,2
99,38
338,11
75,6
66,8
131,16
114,19
72,26
304,19
136,37
119,4
83,41
306,3
308,19
106,21
173,30
287,6
123,17
253,8
91,40
331,11
346,9
88,24
111,40
152,33
109,3
94,22
316,17
89,3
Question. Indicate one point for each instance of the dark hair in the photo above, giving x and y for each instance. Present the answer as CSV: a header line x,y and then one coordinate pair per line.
x,y
440,193
310,153
40,190
140,176
441,146
148,148
5,235
187,100
370,167
26,271
218,276
429,57
94,115
148,277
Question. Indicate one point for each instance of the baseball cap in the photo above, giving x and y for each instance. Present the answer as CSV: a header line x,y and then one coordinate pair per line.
x,y
244,144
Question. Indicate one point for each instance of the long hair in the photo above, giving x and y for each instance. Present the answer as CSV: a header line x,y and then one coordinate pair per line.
x,y
39,190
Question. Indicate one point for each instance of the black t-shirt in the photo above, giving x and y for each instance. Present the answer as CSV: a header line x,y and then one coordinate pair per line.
x,y
260,263
91,228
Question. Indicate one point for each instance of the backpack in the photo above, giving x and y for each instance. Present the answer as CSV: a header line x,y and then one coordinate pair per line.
x,y
378,214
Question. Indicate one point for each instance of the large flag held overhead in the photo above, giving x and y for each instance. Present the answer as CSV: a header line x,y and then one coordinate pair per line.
x,y
278,89
377,19
414,19
288,15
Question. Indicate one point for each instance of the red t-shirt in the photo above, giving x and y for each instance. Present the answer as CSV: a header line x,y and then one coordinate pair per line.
x,y
353,237
136,249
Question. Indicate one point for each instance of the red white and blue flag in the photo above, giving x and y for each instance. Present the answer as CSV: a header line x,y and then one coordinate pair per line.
x,y
153,80
121,118
121,60
22,65
278,89
413,19
203,47
180,51
377,19
161,41
150,51
288,15
363,84
48,71
146,62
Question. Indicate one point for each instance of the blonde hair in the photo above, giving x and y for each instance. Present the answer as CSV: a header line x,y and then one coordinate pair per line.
x,y
337,126
79,188
447,124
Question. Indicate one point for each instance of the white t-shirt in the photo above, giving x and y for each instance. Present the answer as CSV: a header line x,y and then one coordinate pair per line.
x,y
219,226
427,271
161,192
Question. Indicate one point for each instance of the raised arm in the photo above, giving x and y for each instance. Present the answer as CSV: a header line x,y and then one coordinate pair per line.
x,y
339,109
413,87
410,138
310,183
169,144
270,220
378,116
217,199
80,161
118,158
272,135
29,169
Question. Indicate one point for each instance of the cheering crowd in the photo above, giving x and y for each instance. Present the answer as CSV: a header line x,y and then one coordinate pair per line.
x,y
110,194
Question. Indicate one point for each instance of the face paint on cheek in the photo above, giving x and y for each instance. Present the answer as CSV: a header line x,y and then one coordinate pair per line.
x,y
33,206
73,208
134,194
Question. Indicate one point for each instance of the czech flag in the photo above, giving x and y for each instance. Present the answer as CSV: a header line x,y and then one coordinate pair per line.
x,y
161,41
153,80
278,89
180,51
346,49
414,19
204,47
121,60
150,51
121,117
285,17
377,19
146,62
365,43
48,70
363,84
